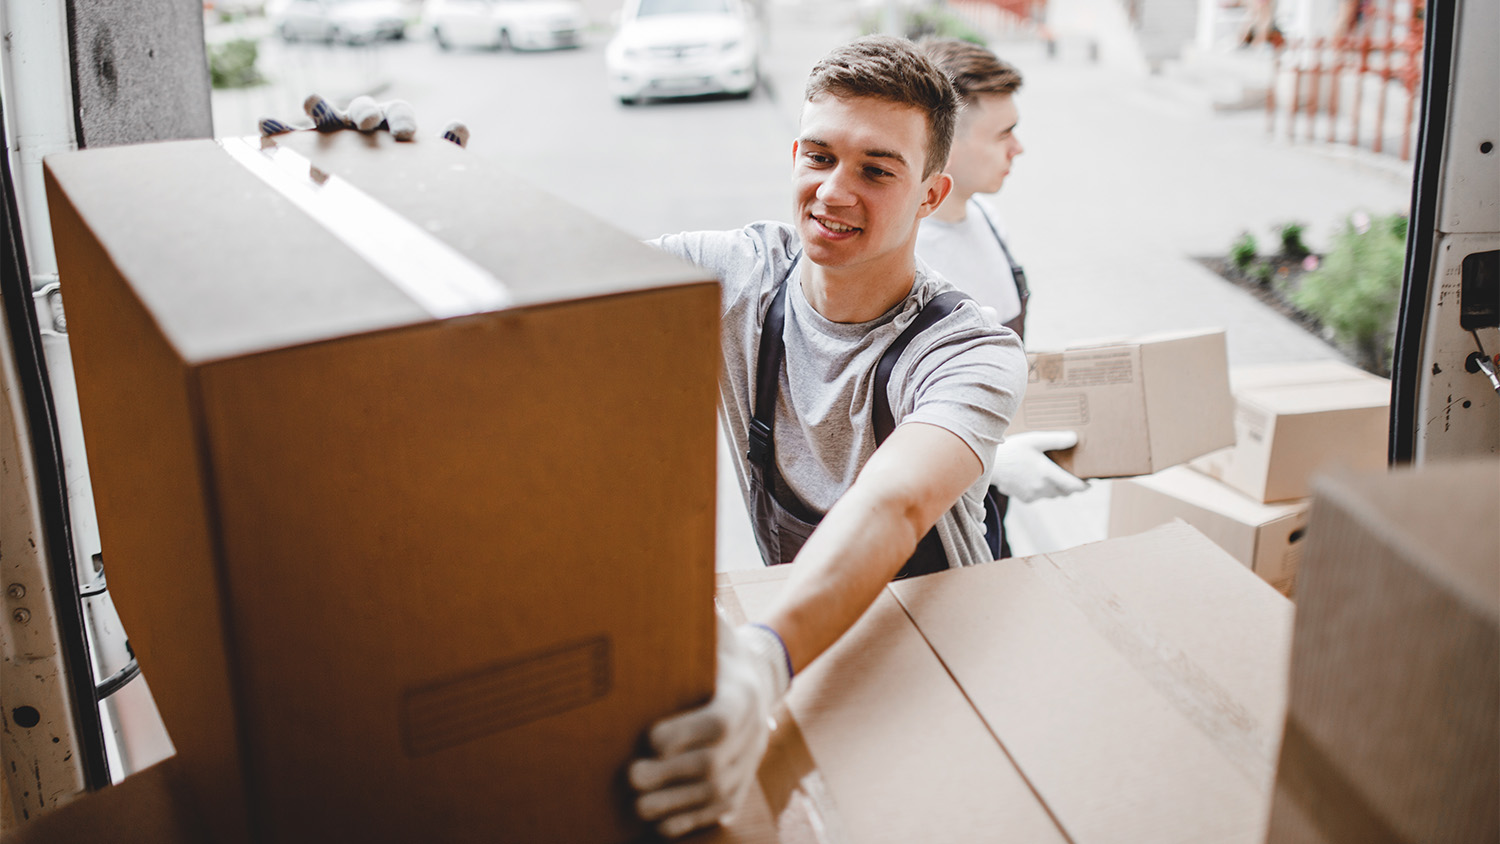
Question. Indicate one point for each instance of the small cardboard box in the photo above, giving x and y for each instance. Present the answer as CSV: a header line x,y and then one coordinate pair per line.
x,y
1138,405
1393,726
1293,419
1267,538
360,415
1129,690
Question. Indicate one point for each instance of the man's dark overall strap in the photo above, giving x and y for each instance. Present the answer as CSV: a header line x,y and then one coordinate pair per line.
x,y
767,381
938,307
1017,274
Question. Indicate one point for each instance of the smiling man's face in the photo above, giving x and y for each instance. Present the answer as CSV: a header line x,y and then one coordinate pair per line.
x,y
858,182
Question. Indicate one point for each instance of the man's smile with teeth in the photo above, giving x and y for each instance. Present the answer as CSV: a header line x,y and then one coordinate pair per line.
x,y
835,227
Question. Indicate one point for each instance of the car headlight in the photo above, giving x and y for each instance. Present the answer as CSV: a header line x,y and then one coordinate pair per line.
x,y
731,45
632,53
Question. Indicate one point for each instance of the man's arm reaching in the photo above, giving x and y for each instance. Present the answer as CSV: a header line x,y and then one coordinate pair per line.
x,y
705,759
907,485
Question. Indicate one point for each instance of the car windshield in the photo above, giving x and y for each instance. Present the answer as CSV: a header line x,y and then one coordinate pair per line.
x,y
682,7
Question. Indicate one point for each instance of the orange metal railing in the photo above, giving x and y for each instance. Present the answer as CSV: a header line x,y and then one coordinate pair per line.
x,y
1379,55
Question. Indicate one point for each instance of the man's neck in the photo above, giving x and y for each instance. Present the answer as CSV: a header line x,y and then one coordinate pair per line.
x,y
955,209
859,294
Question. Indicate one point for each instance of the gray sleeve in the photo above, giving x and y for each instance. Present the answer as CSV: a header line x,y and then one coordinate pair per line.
x,y
743,259
967,379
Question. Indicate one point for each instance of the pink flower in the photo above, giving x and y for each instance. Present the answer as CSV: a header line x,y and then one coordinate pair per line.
x,y
1310,263
1361,221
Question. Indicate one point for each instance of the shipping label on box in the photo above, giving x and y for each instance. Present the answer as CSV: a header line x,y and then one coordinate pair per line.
x,y
1293,419
1138,405
1266,538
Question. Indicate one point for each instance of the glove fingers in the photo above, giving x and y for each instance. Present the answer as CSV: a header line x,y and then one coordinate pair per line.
x,y
654,773
681,824
324,115
458,133
401,119
365,113
693,729
272,126
688,797
1048,440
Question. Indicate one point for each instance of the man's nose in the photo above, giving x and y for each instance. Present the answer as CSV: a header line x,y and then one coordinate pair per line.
x,y
835,188
1016,148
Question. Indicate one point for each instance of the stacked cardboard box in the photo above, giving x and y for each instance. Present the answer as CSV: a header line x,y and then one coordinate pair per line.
x,y
1291,420
1138,405
1130,690
1393,726
405,483
1266,538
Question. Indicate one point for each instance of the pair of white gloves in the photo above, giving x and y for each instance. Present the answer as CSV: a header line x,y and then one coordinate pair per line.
x,y
705,760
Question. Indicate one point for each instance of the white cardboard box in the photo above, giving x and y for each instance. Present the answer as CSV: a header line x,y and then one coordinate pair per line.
x,y
1139,405
1293,419
1267,538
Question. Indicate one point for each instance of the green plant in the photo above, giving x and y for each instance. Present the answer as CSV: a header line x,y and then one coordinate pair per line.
x,y
1356,289
1291,240
232,64
1244,251
933,19
1263,272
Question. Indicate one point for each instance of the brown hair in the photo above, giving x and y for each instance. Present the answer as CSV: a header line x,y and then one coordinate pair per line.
x,y
973,69
892,69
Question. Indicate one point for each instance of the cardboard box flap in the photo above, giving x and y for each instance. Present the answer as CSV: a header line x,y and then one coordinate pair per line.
x,y
1302,372
1318,397
1182,756
904,755
1187,394
1203,491
300,279
1141,339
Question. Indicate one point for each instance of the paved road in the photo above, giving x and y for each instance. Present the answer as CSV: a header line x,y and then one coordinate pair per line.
x,y
1125,178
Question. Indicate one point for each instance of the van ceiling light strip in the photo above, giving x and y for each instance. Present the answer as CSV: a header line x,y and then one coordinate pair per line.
x,y
439,278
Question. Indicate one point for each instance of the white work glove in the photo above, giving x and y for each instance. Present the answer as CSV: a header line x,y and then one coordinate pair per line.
x,y
706,758
1024,472
363,114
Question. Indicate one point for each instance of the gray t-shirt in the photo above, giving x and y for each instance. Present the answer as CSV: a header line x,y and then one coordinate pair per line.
x,y
963,374
969,255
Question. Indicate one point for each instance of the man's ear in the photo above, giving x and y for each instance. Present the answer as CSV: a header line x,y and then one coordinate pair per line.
x,y
794,152
937,191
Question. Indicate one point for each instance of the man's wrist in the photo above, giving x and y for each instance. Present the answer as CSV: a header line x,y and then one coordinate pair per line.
x,y
766,642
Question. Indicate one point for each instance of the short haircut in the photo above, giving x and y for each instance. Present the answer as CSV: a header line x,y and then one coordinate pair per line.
x,y
891,69
973,69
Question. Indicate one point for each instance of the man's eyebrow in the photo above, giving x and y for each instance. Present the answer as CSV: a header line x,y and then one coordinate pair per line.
x,y
869,153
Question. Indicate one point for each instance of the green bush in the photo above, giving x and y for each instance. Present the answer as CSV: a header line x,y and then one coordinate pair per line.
x,y
1291,240
1244,251
932,20
232,64
1356,289
1263,272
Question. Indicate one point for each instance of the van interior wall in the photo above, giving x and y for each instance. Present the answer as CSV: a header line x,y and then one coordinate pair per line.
x,y
140,72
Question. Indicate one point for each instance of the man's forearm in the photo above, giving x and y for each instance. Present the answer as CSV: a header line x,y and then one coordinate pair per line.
x,y
868,535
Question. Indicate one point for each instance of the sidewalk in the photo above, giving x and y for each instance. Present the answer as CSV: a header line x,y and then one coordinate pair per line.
x,y
1126,177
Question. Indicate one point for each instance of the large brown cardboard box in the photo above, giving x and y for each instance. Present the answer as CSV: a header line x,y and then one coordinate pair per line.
x,y
1266,538
1393,727
1130,690
1293,419
405,480
1139,405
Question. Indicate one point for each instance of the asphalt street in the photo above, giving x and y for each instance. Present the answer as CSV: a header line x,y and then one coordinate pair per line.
x,y
1125,179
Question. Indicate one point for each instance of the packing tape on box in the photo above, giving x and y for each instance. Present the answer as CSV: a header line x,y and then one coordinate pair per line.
x,y
436,276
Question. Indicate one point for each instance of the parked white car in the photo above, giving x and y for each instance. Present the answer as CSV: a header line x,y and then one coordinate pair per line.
x,y
679,48
517,24
346,21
